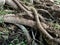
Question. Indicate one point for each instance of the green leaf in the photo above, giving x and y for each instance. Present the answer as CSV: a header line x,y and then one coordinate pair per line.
x,y
5,37
18,44
57,1
1,19
10,44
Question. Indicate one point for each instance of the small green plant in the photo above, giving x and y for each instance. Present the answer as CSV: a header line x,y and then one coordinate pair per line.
x,y
3,12
57,2
56,26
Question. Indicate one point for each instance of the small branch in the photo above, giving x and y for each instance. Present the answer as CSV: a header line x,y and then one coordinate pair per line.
x,y
29,8
26,33
12,18
20,6
40,26
42,29
11,4
46,12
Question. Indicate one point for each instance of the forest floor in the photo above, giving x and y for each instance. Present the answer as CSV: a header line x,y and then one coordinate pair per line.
x,y
30,22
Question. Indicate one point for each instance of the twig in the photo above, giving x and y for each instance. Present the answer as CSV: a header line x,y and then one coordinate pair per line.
x,y
29,8
11,4
20,6
40,26
42,29
26,33
46,12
